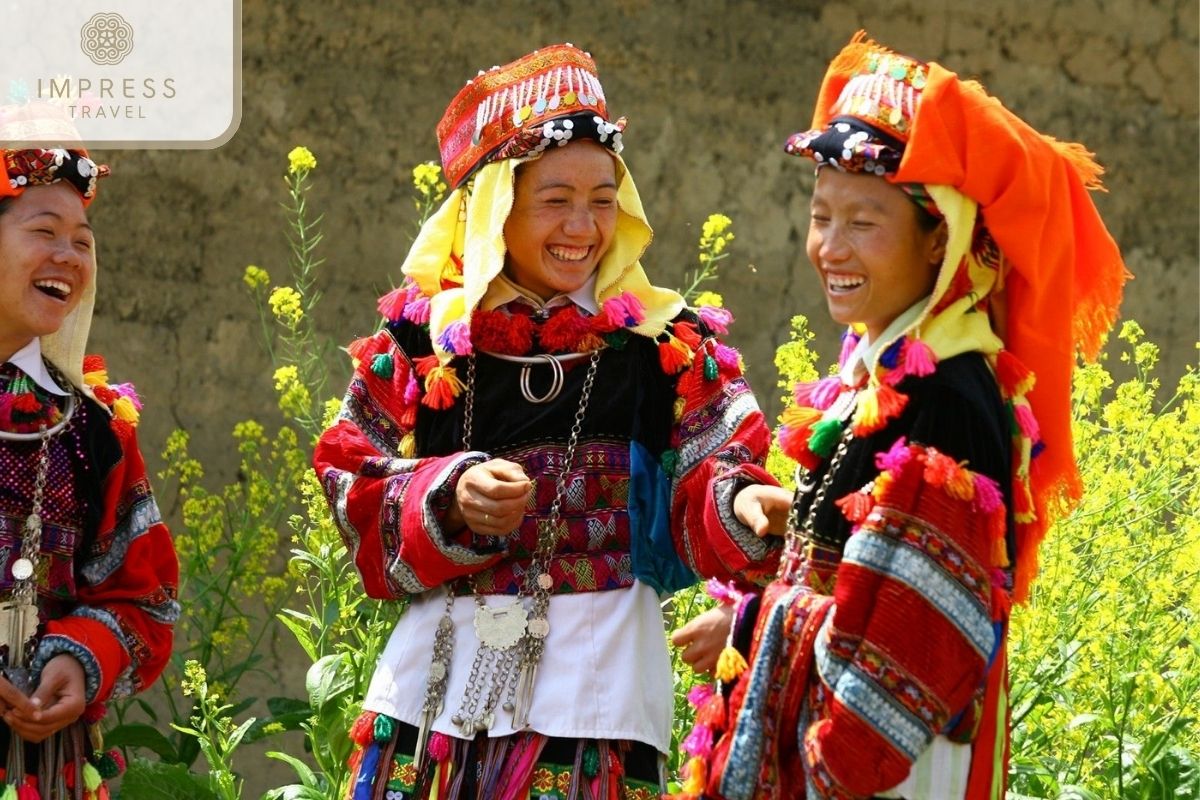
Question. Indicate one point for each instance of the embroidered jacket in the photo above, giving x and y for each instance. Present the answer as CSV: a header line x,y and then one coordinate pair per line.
x,y
108,595
901,637
654,447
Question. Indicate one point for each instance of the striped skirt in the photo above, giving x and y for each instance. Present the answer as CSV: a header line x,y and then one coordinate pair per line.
x,y
524,766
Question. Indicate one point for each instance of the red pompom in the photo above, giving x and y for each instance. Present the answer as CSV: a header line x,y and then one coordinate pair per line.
x,y
687,333
563,330
856,506
94,364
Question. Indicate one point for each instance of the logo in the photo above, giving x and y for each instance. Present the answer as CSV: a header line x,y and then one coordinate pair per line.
x,y
106,38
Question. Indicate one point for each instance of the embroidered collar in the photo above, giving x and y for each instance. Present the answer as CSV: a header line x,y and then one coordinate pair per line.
x,y
29,360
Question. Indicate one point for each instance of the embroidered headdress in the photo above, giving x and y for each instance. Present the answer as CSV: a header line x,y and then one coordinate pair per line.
x,y
1030,276
503,117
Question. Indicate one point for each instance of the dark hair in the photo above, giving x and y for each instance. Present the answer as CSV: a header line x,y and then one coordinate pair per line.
x,y
927,222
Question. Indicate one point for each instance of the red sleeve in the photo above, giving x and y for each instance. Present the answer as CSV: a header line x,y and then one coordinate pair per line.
x,y
914,625
122,629
721,443
387,504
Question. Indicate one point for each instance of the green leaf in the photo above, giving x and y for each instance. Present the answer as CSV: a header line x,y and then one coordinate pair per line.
x,y
294,792
144,736
303,771
327,678
155,780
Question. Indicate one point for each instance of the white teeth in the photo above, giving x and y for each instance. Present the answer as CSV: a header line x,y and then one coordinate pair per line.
x,y
844,281
59,287
569,253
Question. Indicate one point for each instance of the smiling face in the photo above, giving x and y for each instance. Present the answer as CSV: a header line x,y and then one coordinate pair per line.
x,y
46,262
563,218
873,257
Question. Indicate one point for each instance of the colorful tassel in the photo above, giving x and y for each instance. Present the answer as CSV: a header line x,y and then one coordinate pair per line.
x,y
988,498
961,486
383,365
1026,422
825,436
695,769
124,410
799,417
687,333
677,408
439,747
674,355
362,732
939,468
408,445
10,793
391,305
357,349
712,712
825,392
456,339
417,311
591,760
624,311
710,368
94,369
27,791
670,460
895,458
730,664
856,506
1015,378
91,778
384,728
699,742
442,388
849,342
918,358
877,405
727,357
890,356
794,444
715,319
699,694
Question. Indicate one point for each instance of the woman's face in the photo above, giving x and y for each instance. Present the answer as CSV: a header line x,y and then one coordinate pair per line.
x,y
873,258
46,261
563,217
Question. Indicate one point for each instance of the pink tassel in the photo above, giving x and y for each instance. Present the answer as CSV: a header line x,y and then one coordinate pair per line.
x,y
699,742
624,311
727,357
417,311
439,747
988,497
456,338
698,695
391,305
1026,421
849,342
825,392
918,358
127,390
413,390
715,319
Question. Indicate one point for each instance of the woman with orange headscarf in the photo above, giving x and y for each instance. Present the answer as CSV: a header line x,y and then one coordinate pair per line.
x,y
963,252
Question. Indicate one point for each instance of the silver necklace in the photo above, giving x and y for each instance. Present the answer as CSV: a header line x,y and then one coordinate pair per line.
x,y
511,637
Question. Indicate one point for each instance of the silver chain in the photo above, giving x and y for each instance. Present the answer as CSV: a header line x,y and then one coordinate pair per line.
x,y
799,537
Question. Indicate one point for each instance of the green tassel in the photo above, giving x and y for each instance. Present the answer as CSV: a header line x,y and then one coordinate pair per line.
x,y
710,368
670,460
591,760
617,339
106,765
10,793
824,437
382,365
383,728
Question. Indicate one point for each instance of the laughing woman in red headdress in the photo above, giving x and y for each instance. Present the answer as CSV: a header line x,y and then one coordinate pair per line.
x,y
87,569
962,251
537,444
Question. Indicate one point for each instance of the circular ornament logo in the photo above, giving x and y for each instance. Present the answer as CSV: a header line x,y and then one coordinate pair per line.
x,y
106,38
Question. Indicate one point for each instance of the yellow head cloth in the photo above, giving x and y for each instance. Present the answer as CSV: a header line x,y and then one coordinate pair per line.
x,y
460,250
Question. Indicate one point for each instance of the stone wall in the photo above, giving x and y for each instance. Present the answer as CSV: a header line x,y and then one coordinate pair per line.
x,y
711,89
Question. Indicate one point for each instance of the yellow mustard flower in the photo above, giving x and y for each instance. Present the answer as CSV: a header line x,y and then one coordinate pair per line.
x,y
286,305
301,160
711,299
255,277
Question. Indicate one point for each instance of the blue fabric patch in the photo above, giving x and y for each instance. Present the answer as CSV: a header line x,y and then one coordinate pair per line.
x,y
651,548
364,786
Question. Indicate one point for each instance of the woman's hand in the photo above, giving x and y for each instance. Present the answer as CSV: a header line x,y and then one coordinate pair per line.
x,y
490,498
703,639
58,700
763,508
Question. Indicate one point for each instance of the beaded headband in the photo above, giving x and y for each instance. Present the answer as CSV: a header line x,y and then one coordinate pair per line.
x,y
42,167
542,99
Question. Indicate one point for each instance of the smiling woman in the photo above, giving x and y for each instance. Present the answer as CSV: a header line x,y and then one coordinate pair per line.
x,y
87,569
537,443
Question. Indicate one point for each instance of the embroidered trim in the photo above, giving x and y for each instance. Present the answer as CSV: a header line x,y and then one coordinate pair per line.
x,y
136,522
56,644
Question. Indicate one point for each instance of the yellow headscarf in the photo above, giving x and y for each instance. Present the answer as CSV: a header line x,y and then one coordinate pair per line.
x,y
460,250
